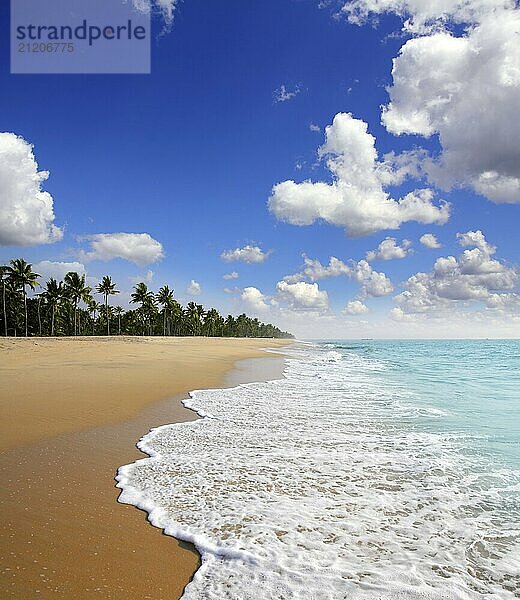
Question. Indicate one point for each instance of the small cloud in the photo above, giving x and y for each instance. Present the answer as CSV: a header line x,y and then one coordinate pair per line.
x,y
139,248
146,278
282,94
430,241
356,307
193,288
232,275
315,128
303,296
248,254
388,249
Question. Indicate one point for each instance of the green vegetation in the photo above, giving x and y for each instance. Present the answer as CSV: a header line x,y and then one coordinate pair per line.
x,y
68,307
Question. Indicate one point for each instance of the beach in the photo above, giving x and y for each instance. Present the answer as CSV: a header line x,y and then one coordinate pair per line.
x,y
71,411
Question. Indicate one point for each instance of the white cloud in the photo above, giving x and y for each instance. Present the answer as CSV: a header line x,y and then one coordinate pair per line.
x,y
356,307
146,278
372,283
508,303
314,270
248,254
430,241
194,288
465,90
165,7
315,128
232,275
254,299
388,249
139,248
476,239
303,296
421,16
457,282
283,94
57,269
356,199
26,212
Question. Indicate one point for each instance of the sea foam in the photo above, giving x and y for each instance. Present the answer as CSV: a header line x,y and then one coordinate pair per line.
x,y
323,485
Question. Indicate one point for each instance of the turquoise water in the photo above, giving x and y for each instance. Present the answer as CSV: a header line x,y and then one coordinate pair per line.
x,y
373,470
475,384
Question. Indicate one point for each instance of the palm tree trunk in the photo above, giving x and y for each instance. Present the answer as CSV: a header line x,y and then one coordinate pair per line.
x,y
106,313
52,320
119,324
25,309
164,322
5,312
39,317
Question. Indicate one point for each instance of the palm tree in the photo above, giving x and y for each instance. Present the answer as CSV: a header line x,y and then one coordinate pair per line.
x,y
53,294
22,275
93,307
164,297
118,311
142,296
175,310
150,311
194,313
108,288
40,297
211,322
77,290
4,270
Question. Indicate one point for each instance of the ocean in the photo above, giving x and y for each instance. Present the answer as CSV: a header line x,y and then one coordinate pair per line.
x,y
372,470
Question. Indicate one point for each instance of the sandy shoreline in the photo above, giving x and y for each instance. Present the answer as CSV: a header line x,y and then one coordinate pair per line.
x,y
70,414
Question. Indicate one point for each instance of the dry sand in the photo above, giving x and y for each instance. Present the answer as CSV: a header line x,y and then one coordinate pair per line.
x,y
71,411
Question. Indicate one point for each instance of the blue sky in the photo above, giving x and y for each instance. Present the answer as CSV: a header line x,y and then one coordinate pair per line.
x,y
190,154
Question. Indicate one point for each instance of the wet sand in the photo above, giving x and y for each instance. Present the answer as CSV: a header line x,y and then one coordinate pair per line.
x,y
70,414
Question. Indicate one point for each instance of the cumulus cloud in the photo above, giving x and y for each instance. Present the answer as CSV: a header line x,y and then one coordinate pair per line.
x,y
303,296
430,241
356,307
464,89
26,212
232,275
139,248
356,199
477,239
283,94
314,270
372,283
421,16
472,277
248,254
57,269
194,288
314,127
254,299
389,249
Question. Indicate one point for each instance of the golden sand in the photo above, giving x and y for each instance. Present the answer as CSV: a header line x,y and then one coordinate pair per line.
x,y
71,411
